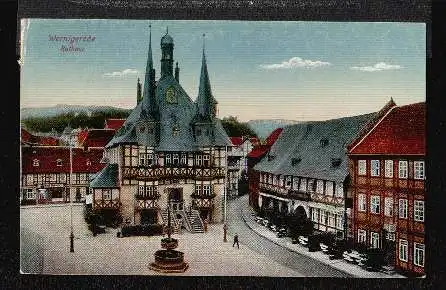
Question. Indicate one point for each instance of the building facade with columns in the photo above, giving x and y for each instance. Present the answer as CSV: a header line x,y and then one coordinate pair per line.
x,y
170,151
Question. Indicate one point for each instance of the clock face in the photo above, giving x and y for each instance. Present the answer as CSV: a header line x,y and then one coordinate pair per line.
x,y
171,96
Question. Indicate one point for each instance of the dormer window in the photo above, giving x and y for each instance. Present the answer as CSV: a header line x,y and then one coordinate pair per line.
x,y
88,162
295,161
36,162
198,132
271,157
59,162
335,162
324,142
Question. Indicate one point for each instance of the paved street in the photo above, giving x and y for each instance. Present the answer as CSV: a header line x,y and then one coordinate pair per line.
x,y
301,263
45,249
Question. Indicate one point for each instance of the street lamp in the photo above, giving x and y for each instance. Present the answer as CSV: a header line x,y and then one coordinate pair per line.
x,y
69,194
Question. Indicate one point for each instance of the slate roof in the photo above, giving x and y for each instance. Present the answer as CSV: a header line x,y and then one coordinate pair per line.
x,y
401,132
106,178
48,156
174,121
313,146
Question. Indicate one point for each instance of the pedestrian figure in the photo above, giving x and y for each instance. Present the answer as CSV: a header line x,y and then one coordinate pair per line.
x,y
236,241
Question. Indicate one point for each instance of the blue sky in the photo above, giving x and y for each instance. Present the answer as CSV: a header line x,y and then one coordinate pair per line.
x,y
279,70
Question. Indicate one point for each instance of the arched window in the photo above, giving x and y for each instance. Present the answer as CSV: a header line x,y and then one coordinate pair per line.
x,y
59,162
36,162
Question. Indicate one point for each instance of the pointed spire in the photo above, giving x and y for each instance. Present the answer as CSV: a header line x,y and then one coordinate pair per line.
x,y
205,101
148,94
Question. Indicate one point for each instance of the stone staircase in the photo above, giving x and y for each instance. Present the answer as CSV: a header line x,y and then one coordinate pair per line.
x,y
186,219
196,223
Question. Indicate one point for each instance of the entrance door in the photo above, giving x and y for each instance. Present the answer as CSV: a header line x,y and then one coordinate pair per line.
x,y
205,214
176,198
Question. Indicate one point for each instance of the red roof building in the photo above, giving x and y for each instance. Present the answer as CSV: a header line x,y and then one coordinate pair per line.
x,y
387,170
48,168
254,156
95,137
114,124
30,139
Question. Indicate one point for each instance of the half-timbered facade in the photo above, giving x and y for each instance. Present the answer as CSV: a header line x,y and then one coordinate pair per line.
x,y
46,172
169,151
388,175
305,172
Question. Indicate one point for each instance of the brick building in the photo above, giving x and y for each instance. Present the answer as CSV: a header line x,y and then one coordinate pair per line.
x,y
387,168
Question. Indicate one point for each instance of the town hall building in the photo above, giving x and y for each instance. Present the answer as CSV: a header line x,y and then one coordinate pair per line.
x,y
170,151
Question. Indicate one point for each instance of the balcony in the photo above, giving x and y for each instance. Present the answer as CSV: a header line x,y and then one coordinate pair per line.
x,y
159,173
107,204
147,196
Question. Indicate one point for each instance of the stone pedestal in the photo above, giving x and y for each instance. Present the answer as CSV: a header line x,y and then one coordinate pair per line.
x,y
169,260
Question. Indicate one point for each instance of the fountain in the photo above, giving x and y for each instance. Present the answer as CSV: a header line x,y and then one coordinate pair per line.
x,y
169,260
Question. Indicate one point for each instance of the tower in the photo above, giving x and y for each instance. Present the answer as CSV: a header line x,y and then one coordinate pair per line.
x,y
166,55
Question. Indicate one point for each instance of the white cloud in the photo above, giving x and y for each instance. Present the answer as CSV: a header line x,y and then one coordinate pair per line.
x,y
120,74
295,62
380,66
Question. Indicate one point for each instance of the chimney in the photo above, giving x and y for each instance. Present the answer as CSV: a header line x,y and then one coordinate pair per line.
x,y
177,72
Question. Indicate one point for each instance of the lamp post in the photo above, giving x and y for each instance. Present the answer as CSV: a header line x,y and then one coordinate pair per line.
x,y
69,195
225,226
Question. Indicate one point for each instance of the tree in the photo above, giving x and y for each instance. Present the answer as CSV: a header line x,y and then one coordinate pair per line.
x,y
235,128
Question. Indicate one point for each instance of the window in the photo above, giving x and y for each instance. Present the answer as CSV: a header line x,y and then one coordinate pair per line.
x,y
418,211
183,159
206,159
322,217
374,204
403,250
389,168
206,189
339,222
88,162
175,159
288,181
199,160
374,240
403,208
361,202
106,194
390,236
418,254
198,188
59,162
402,169
362,236
142,159
315,215
419,169
36,162
30,194
320,186
168,159
361,167
331,219
329,188
374,168
310,185
388,206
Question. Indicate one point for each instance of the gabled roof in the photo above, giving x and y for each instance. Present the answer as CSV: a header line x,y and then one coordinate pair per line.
x,y
96,137
401,132
106,178
114,124
309,149
84,161
261,149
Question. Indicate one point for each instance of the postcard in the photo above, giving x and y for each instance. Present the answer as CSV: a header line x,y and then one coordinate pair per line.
x,y
222,148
